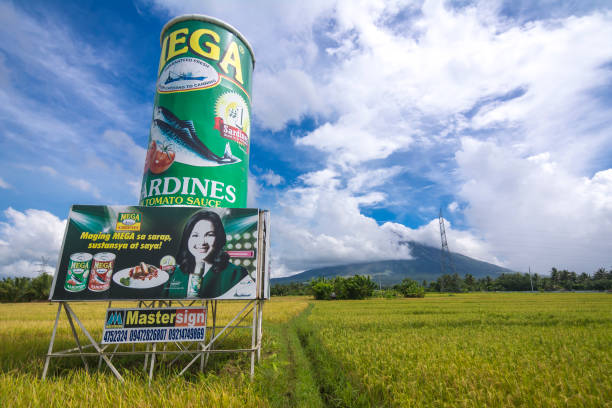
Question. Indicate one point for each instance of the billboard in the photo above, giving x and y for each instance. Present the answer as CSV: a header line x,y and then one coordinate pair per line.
x,y
163,253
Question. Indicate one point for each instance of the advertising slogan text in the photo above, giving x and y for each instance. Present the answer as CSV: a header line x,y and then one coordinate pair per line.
x,y
125,240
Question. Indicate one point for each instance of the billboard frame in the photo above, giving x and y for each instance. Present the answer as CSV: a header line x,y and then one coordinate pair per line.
x,y
105,352
202,351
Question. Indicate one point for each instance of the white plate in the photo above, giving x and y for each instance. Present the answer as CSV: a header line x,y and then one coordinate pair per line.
x,y
162,277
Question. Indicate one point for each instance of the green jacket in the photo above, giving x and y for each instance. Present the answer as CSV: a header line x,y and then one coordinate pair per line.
x,y
214,284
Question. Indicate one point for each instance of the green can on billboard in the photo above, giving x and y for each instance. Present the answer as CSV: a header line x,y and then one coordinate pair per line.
x,y
198,152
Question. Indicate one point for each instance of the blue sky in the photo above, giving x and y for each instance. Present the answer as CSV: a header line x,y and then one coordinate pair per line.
x,y
368,117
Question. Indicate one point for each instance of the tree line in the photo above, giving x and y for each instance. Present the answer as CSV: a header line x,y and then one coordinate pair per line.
x,y
353,287
558,280
322,288
25,289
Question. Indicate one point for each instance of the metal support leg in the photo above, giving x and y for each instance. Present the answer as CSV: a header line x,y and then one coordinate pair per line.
x,y
146,361
95,345
254,338
46,367
213,305
260,330
152,363
215,338
203,345
110,358
110,303
76,339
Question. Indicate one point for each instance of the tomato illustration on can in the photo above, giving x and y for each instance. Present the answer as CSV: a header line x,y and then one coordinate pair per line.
x,y
159,157
101,271
79,266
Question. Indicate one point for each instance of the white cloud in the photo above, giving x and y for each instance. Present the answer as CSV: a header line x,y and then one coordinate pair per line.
x,y
27,236
299,246
123,144
320,223
453,60
84,185
325,179
381,84
365,180
253,191
24,267
49,170
535,212
272,179
460,241
4,184
273,105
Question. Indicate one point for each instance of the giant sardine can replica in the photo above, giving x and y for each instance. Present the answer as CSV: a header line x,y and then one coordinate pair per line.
x,y
198,151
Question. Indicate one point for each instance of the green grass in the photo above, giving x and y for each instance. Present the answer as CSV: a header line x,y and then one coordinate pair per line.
x,y
534,350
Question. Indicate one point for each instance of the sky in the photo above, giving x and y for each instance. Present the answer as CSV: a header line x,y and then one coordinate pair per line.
x,y
369,117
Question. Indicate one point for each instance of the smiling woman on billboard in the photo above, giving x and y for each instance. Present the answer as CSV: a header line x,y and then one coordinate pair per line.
x,y
203,268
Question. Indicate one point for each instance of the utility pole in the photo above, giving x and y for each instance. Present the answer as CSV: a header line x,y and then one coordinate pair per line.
x,y
446,263
530,280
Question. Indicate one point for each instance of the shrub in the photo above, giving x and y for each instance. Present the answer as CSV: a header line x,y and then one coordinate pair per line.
x,y
410,288
354,287
321,289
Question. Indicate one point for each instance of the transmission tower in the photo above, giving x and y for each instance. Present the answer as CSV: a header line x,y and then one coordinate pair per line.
x,y
43,264
446,263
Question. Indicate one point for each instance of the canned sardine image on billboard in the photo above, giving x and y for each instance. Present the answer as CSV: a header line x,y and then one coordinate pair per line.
x,y
198,151
101,271
78,272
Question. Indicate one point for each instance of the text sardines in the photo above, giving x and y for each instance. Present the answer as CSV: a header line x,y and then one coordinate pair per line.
x,y
198,151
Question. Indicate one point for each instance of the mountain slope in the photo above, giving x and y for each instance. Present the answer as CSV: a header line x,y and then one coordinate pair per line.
x,y
425,265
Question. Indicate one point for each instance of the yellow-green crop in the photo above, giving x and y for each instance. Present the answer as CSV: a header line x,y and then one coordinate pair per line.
x,y
471,350
491,349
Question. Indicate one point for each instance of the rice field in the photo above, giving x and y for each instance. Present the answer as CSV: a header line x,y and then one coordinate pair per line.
x,y
490,349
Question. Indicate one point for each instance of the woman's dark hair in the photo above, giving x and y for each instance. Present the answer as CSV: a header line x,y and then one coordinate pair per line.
x,y
218,258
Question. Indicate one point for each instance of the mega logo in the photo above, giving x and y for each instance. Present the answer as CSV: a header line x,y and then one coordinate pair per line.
x,y
104,265
204,43
128,222
80,265
129,217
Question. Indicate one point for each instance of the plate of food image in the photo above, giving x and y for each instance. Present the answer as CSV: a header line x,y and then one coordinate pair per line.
x,y
142,276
